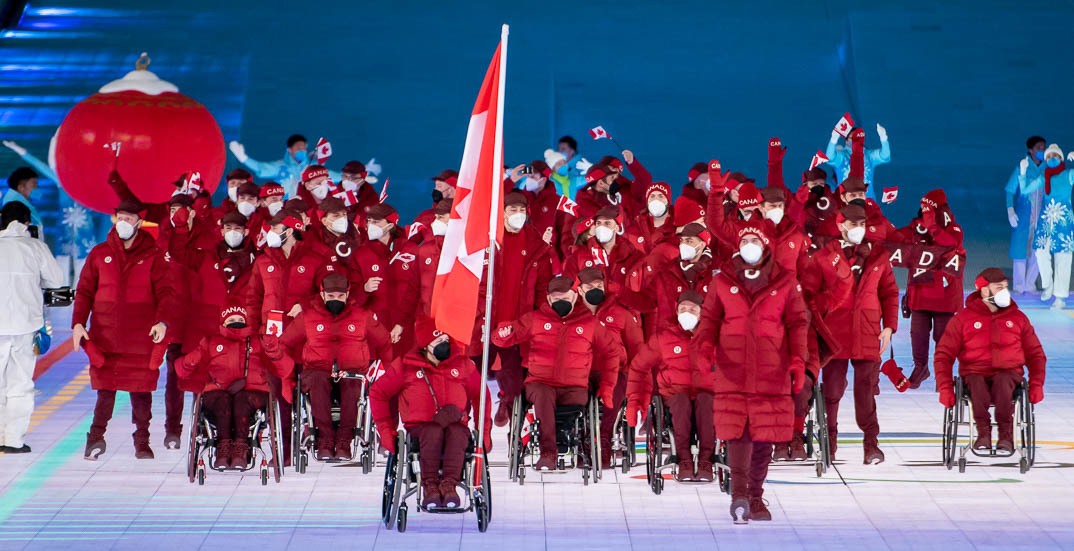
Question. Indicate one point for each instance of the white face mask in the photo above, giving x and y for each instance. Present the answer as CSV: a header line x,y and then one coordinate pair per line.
x,y
374,232
855,235
751,253
124,229
517,220
775,215
233,238
686,252
246,208
439,228
320,192
1002,298
530,184
339,225
348,185
604,234
657,208
274,240
233,194
276,207
687,321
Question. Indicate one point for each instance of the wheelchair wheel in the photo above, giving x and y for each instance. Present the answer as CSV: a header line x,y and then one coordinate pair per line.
x,y
275,439
654,445
396,507
1027,429
514,442
593,421
400,523
483,498
389,489
723,475
264,474
201,473
298,458
193,449
367,460
961,464
821,430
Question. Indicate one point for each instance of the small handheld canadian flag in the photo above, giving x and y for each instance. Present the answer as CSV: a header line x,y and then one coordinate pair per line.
x,y
818,159
324,150
348,197
890,193
262,236
599,133
567,206
845,125
274,323
384,191
193,184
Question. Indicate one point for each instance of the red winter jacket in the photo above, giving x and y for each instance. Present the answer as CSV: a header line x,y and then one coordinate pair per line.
x,y
122,293
279,282
338,250
624,325
352,340
396,300
455,381
935,290
230,355
544,213
563,351
986,342
668,353
811,210
531,288
789,245
873,306
624,262
216,274
590,201
428,260
752,337
664,279
877,227
827,284
647,237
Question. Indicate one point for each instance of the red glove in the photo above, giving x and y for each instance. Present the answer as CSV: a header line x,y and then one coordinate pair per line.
x,y
1036,393
387,439
270,344
202,204
928,216
607,397
797,375
947,397
180,219
775,151
717,178
891,369
634,413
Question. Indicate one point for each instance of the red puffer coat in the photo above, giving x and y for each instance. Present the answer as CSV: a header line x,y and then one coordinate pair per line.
x,y
877,227
353,339
669,354
590,201
338,250
810,210
544,213
935,290
563,351
625,326
646,236
455,381
826,285
122,293
986,342
873,306
279,282
230,355
396,299
216,274
428,260
752,337
624,262
790,245
665,277
526,279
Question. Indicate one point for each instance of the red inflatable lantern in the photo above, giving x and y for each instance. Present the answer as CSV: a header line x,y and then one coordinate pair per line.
x,y
144,127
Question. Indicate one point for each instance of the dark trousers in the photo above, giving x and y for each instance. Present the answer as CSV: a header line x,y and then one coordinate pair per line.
x,y
510,375
232,414
318,384
141,414
686,414
749,464
545,398
999,390
923,322
866,387
801,406
173,395
607,415
441,448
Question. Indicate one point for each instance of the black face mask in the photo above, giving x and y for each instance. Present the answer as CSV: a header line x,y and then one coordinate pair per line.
x,y
335,306
437,195
818,190
594,296
562,307
614,188
236,325
859,202
442,351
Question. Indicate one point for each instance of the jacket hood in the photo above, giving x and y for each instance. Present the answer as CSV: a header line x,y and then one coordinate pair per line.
x,y
236,334
977,304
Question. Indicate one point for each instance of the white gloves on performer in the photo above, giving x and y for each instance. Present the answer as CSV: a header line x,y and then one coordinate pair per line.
x,y
238,151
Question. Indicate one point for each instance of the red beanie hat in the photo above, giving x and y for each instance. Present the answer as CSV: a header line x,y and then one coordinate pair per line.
x,y
234,307
748,196
610,161
753,228
989,275
697,170
582,225
595,172
271,189
313,171
662,187
288,219
425,332
686,211
935,198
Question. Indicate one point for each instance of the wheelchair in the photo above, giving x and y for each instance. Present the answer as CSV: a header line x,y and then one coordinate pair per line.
x,y
816,432
577,439
624,441
264,430
304,435
402,481
660,450
961,415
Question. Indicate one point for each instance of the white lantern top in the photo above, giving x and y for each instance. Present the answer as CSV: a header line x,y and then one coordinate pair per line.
x,y
140,80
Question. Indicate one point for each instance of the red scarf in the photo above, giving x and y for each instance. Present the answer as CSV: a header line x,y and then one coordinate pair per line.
x,y
1048,173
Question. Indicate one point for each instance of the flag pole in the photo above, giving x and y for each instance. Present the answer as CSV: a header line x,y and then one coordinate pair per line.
x,y
495,215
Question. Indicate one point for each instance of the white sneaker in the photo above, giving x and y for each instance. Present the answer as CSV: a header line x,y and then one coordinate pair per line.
x,y
1059,304
1046,295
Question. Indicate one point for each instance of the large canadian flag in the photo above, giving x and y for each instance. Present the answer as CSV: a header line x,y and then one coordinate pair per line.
x,y
477,211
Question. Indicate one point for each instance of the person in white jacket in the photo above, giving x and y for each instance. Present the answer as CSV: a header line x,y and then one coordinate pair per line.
x,y
28,267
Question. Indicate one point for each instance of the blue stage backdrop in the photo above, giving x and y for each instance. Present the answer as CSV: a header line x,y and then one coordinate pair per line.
x,y
959,85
